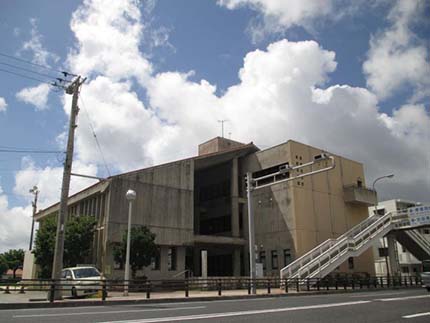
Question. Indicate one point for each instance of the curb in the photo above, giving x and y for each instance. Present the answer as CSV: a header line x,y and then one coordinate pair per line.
x,y
46,304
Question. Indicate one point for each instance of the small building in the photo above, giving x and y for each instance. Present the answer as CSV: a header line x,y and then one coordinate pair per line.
x,y
199,204
401,259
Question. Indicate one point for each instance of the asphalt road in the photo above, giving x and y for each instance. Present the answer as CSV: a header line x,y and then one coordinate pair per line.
x,y
382,306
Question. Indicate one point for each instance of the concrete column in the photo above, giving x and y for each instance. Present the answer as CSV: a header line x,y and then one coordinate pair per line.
x,y
392,255
204,257
236,262
235,198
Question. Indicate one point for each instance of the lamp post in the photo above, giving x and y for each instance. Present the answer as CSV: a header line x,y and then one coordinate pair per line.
x,y
130,196
376,213
35,192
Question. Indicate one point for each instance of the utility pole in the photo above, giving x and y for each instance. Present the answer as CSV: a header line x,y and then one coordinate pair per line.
x,y
57,265
35,192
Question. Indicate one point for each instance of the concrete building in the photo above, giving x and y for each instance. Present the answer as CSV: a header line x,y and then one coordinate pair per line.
x,y
200,203
401,259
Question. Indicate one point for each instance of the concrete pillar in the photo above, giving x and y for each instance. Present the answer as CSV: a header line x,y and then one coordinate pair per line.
x,y
204,257
235,198
392,255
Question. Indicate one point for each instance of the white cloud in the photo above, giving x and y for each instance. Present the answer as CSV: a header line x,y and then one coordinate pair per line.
x,y
37,96
34,44
396,56
108,35
3,104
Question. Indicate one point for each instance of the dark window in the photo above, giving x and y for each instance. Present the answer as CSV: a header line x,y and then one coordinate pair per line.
x,y
268,171
274,259
287,257
155,260
383,252
359,183
351,263
263,258
171,258
426,231
405,270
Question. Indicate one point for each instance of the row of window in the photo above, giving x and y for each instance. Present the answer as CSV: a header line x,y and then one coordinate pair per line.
x,y
274,258
171,259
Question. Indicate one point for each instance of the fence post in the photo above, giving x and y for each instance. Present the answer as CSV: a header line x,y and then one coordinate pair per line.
x,y
297,285
52,292
353,284
336,284
7,290
382,282
219,287
186,288
410,280
104,292
360,283
286,285
148,289
308,285
318,284
249,286
268,286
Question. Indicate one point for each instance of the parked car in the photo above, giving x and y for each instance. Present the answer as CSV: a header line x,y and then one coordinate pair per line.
x,y
80,281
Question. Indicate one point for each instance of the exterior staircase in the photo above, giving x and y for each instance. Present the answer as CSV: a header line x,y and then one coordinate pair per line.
x,y
325,257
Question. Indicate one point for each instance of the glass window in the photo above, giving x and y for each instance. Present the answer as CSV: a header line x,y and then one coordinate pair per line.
x,y
171,258
383,252
287,257
263,258
351,263
274,259
155,260
86,272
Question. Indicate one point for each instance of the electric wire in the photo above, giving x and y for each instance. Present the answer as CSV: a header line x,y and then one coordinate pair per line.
x,y
31,71
26,76
35,64
94,135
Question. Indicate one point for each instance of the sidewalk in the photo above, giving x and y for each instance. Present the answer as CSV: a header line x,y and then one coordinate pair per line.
x,y
37,299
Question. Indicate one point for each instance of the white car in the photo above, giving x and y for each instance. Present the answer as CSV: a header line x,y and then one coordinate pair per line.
x,y
80,281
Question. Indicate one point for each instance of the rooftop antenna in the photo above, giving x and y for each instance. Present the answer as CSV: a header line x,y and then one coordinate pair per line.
x,y
222,126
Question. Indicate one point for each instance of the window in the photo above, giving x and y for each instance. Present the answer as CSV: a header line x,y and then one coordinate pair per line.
x,y
263,258
351,263
274,259
287,257
426,231
155,260
405,270
359,183
383,252
171,258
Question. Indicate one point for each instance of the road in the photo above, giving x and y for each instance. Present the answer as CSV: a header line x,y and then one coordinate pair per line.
x,y
381,306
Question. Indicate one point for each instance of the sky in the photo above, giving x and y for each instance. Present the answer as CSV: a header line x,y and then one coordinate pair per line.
x,y
350,77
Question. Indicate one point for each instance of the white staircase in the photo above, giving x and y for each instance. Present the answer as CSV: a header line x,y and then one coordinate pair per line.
x,y
324,258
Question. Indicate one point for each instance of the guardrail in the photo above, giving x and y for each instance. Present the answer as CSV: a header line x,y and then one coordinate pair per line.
x,y
102,288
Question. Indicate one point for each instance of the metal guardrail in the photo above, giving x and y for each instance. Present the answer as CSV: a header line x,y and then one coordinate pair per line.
x,y
218,285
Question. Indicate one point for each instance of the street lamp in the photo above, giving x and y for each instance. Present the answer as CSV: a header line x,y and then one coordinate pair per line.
x,y
376,213
130,196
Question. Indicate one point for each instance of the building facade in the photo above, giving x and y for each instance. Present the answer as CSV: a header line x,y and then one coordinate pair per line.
x,y
199,204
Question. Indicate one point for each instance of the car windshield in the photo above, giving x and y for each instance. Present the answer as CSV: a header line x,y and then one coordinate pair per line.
x,y
86,272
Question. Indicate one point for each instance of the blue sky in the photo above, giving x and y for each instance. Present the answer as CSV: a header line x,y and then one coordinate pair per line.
x,y
351,77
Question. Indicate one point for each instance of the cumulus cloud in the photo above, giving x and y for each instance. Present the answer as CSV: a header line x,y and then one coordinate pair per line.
x,y
37,96
3,104
397,57
34,45
108,36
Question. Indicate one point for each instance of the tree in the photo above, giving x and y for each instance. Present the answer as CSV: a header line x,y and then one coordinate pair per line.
x,y
14,259
3,265
77,242
142,248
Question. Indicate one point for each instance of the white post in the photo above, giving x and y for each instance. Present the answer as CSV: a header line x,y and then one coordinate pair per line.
x,y
252,270
130,195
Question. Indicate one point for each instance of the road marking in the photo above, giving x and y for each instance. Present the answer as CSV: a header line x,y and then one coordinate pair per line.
x,y
401,298
376,294
240,313
112,312
205,302
415,315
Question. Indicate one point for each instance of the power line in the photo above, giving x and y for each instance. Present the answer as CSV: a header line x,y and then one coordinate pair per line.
x,y
25,76
35,64
95,136
32,151
31,71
